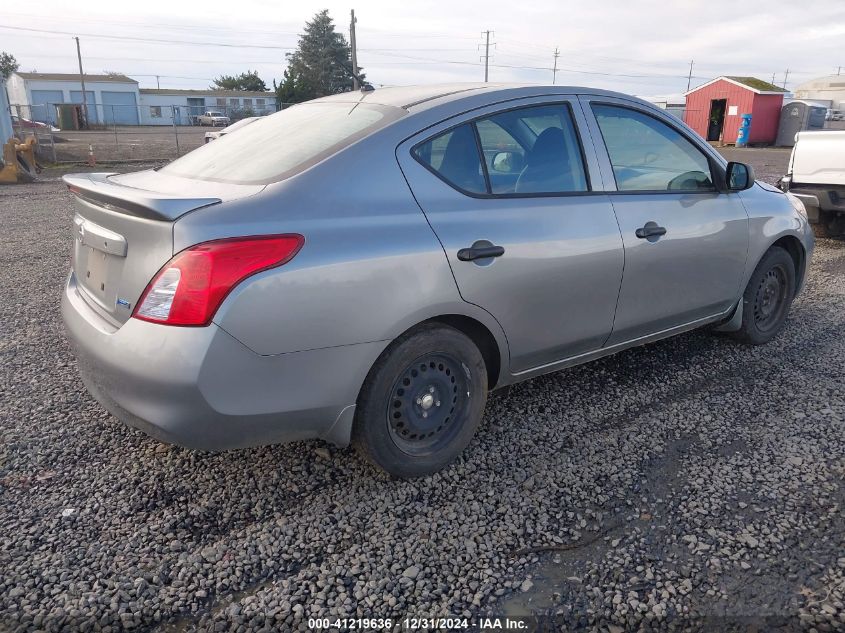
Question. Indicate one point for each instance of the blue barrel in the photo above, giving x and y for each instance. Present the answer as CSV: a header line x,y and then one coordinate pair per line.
x,y
744,131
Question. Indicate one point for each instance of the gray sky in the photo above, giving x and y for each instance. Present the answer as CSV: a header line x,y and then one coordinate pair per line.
x,y
637,46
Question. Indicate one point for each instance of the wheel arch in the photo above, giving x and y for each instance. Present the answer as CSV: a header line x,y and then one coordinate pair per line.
x,y
483,339
795,248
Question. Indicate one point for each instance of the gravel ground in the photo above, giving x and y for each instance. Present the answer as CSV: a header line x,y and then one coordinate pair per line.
x,y
690,484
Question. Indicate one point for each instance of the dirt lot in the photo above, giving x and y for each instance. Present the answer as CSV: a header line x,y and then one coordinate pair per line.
x,y
692,484
126,143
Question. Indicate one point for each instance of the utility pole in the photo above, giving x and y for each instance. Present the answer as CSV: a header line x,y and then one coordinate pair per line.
x,y
839,70
82,81
785,77
158,85
554,70
689,76
354,50
486,54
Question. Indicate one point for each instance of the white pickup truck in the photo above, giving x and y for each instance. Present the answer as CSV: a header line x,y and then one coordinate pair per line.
x,y
213,118
816,175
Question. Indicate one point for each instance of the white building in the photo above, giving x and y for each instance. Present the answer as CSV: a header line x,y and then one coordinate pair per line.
x,y
117,99
166,106
110,98
674,104
829,90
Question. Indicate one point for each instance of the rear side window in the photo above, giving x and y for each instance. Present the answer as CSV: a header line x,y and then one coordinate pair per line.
x,y
454,157
532,150
523,151
648,155
280,145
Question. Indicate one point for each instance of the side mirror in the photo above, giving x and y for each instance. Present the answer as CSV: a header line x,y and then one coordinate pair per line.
x,y
739,176
507,162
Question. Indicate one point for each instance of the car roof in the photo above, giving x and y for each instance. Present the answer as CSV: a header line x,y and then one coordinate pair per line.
x,y
417,98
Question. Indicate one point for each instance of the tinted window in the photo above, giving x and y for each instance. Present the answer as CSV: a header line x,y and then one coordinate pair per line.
x,y
454,157
648,155
281,144
532,150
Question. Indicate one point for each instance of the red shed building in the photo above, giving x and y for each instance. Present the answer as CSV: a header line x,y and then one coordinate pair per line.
x,y
715,109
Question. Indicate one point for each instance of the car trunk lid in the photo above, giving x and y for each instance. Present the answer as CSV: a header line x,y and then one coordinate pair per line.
x,y
123,231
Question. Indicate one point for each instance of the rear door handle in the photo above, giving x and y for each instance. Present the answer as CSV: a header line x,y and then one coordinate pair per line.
x,y
650,230
480,252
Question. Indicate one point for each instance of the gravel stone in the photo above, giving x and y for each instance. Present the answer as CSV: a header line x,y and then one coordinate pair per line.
x,y
649,490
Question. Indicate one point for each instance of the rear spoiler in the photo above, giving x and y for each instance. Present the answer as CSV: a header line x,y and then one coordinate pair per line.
x,y
98,189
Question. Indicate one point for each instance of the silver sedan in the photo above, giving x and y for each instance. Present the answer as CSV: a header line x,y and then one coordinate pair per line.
x,y
366,267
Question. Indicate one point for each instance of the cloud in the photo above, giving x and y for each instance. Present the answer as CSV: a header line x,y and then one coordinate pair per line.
x,y
639,46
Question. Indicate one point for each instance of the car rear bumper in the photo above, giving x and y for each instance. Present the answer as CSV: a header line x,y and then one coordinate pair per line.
x,y
201,388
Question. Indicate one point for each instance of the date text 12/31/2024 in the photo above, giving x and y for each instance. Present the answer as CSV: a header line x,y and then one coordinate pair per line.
x,y
413,624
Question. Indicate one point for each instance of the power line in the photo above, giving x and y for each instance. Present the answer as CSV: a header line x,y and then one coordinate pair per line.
x,y
545,68
151,39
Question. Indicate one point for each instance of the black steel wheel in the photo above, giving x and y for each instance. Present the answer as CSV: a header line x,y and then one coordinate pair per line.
x,y
421,402
770,299
427,400
767,297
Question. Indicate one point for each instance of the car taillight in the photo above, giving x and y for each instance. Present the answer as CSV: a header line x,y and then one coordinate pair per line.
x,y
188,290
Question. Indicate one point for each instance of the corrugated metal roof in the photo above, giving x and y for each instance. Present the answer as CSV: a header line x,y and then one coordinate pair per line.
x,y
208,93
121,79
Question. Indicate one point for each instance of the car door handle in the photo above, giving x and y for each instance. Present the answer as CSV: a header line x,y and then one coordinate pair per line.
x,y
650,230
480,252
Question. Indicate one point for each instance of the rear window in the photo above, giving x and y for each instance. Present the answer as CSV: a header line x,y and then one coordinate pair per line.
x,y
280,145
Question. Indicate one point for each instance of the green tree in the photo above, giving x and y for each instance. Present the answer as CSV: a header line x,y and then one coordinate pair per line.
x,y
8,64
319,66
245,81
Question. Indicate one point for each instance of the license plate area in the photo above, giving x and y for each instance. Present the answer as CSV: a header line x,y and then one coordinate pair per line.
x,y
95,276
99,258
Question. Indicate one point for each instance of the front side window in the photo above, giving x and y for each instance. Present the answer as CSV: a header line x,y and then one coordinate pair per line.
x,y
290,141
648,155
155,112
454,157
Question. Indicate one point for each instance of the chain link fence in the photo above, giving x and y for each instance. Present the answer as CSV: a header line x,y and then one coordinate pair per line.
x,y
73,132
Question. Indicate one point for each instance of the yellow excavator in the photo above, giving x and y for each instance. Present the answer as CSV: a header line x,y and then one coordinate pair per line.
x,y
19,164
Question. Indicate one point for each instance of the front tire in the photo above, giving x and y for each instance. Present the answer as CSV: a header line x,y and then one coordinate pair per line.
x,y
767,297
422,402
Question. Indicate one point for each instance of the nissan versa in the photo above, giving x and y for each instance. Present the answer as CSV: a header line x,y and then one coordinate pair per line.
x,y
365,267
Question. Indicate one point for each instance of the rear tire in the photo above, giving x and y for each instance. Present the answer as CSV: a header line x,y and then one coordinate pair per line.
x,y
767,297
422,402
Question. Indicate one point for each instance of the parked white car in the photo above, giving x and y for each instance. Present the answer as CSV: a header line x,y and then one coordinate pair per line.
x,y
210,136
834,115
816,175
213,118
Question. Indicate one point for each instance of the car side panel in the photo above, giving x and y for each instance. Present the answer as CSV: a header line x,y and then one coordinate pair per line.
x,y
554,290
691,273
771,217
371,266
